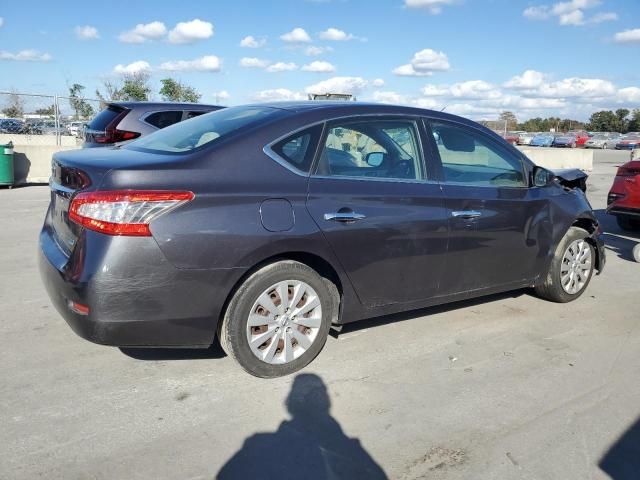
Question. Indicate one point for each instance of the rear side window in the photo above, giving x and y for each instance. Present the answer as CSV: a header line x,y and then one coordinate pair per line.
x,y
193,114
204,130
299,149
164,119
471,158
105,117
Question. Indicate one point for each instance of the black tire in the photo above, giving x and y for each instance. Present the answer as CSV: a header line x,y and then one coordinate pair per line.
x,y
550,287
232,331
628,224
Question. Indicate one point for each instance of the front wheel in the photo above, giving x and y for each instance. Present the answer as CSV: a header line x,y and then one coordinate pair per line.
x,y
278,319
571,268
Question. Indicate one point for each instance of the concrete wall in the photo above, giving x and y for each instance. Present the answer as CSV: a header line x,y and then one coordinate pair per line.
x,y
32,155
558,158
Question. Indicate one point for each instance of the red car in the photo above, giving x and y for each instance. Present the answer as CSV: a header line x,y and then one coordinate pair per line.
x,y
581,137
624,197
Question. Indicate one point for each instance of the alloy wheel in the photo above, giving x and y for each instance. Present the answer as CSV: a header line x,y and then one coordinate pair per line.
x,y
576,266
284,322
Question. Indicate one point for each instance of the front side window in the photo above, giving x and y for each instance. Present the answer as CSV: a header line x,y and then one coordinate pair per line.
x,y
469,157
375,149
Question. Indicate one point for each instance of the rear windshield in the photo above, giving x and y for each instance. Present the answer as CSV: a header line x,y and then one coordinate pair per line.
x,y
105,117
203,130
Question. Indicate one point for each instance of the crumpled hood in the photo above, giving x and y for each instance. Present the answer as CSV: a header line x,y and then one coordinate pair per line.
x,y
571,178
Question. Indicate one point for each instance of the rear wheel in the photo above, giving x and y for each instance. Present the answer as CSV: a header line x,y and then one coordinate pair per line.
x,y
571,268
629,224
278,320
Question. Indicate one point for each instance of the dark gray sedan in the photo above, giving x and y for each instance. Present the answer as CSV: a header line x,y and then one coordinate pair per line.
x,y
264,225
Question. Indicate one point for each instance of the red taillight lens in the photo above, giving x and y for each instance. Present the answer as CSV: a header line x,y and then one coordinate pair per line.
x,y
124,212
113,135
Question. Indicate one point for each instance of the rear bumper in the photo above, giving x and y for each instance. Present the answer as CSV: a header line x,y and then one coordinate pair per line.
x,y
135,296
623,211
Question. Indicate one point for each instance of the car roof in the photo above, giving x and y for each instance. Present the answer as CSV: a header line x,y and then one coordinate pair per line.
x,y
194,106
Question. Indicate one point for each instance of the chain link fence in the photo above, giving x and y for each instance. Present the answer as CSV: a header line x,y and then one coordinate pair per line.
x,y
58,120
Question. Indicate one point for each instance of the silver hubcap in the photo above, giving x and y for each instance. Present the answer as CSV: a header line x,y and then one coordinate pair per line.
x,y
284,322
576,267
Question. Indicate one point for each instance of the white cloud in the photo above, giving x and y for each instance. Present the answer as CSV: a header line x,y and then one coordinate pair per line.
x,y
628,36
336,35
252,42
314,51
277,94
434,91
189,32
144,32
221,96
570,12
319,67
350,85
297,35
432,6
577,88
132,68
529,80
629,94
282,67
86,32
252,62
25,56
390,97
378,82
424,63
208,63
475,89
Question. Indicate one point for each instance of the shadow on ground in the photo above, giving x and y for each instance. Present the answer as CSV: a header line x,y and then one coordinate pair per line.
x,y
618,241
155,354
311,445
622,461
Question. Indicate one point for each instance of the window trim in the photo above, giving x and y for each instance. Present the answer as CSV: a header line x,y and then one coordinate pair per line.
x,y
351,119
428,121
268,149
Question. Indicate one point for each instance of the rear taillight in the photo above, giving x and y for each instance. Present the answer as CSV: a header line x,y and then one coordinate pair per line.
x,y
124,212
113,135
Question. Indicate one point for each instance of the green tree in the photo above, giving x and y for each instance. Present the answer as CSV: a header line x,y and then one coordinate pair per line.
x,y
634,123
136,86
510,119
15,106
603,121
175,91
623,123
50,111
82,108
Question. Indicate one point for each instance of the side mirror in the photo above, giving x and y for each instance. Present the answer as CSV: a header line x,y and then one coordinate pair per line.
x,y
542,177
375,159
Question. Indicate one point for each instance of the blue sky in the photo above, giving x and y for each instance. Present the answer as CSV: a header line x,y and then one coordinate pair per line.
x,y
476,57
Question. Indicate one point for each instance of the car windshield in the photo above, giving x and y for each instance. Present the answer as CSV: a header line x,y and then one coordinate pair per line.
x,y
599,137
202,130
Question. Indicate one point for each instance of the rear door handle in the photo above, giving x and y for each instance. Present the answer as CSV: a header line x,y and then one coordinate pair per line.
x,y
467,214
344,217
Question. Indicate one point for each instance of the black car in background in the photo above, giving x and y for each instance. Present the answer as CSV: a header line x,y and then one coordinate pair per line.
x,y
266,224
120,122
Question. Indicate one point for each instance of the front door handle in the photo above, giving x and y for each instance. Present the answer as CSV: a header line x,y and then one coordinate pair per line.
x,y
344,217
466,214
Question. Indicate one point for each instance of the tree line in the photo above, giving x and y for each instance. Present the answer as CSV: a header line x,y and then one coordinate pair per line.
x,y
621,120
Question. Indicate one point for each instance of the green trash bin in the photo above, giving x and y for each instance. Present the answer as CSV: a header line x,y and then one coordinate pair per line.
x,y
6,164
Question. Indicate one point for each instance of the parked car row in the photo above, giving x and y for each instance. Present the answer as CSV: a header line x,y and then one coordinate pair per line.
x,y
37,126
574,139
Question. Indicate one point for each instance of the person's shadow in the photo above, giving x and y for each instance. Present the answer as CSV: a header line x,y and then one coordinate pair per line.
x,y
622,461
311,445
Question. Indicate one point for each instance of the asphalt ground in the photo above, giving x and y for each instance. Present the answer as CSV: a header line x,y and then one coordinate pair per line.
x,y
504,387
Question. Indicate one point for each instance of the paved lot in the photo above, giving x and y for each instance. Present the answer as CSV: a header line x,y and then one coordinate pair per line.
x,y
507,387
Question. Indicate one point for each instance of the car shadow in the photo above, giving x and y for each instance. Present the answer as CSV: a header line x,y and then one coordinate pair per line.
x,y
311,445
618,241
413,314
156,354
622,460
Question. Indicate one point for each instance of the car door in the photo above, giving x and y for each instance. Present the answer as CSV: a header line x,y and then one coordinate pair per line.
x,y
498,225
372,197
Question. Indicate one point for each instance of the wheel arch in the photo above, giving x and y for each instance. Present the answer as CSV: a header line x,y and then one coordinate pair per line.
x,y
590,224
323,267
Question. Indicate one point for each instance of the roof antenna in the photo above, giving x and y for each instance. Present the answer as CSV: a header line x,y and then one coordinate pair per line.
x,y
444,108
